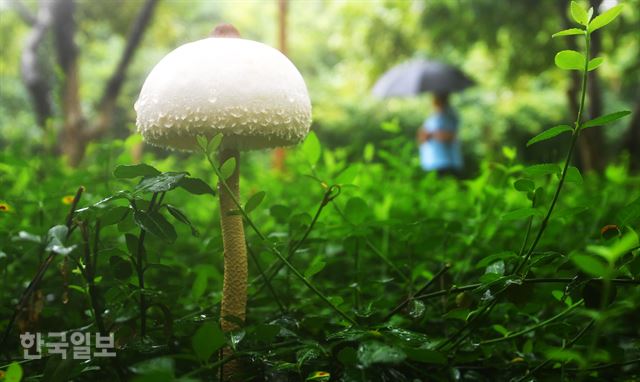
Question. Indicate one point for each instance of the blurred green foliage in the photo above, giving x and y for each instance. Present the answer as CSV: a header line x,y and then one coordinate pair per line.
x,y
390,232
341,48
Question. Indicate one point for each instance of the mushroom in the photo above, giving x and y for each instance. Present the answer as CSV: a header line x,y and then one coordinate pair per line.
x,y
247,91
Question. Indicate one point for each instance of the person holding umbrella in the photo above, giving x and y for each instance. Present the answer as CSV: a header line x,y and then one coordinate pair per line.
x,y
438,137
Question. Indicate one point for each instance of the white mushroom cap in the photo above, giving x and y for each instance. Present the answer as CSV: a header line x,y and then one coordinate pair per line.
x,y
244,89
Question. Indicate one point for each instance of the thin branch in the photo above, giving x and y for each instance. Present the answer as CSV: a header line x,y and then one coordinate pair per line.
x,y
267,282
534,327
275,268
25,13
420,291
112,89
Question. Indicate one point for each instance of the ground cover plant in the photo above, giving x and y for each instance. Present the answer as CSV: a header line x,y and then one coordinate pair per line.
x,y
362,267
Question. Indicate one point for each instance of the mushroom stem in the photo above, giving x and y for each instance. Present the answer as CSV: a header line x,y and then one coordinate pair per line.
x,y
234,289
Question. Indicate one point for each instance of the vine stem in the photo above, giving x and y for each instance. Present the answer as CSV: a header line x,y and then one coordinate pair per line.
x,y
547,217
463,288
373,248
575,339
574,139
534,327
404,303
267,282
275,268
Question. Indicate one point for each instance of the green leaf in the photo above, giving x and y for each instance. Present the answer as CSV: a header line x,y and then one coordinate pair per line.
x,y
181,217
375,352
132,243
199,285
196,186
357,210
13,373
215,142
590,264
573,175
500,329
605,18
161,183
120,268
156,224
542,169
594,63
509,152
227,168
348,356
392,126
564,355
557,294
568,32
579,14
630,214
254,201
311,148
495,257
570,60
348,175
425,356
550,133
207,339
280,213
524,185
605,119
134,171
521,213
496,267
202,142
113,215
60,370
314,268
267,333
160,369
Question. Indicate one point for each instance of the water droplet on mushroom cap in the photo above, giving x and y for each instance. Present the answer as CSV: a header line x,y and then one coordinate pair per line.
x,y
230,85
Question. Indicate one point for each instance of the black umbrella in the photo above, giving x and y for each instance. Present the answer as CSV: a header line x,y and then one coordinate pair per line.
x,y
419,76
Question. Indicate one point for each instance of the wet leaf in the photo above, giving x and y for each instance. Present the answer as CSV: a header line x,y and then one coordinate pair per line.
x,y
166,181
156,224
196,186
207,339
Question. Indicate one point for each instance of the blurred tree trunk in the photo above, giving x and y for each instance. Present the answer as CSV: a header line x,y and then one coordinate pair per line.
x,y
72,143
32,71
632,140
76,132
280,153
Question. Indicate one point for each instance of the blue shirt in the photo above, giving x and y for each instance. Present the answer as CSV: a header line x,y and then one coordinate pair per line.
x,y
438,155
